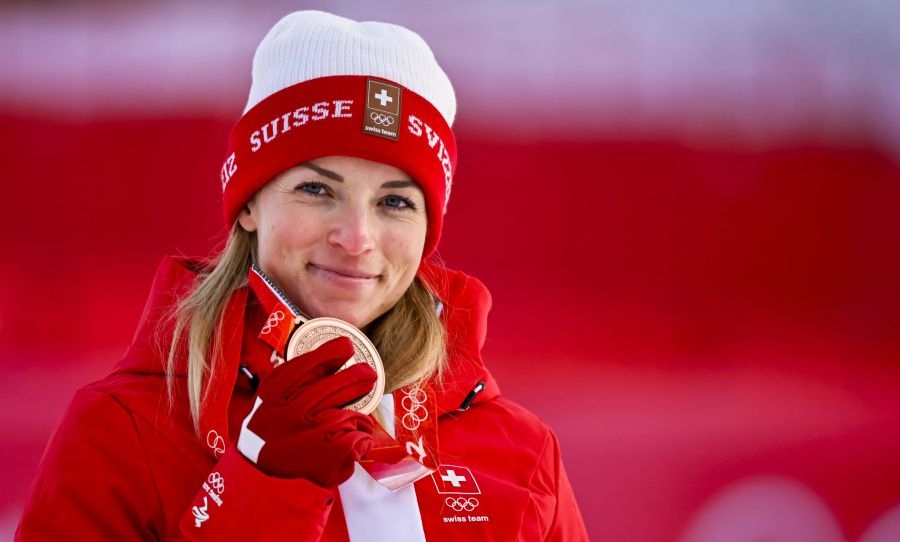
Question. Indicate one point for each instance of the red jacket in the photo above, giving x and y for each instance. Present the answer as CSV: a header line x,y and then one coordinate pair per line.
x,y
124,465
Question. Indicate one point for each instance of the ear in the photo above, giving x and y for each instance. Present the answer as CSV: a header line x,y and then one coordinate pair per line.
x,y
247,216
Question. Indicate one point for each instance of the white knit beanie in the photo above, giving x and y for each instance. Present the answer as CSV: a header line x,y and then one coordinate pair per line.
x,y
306,45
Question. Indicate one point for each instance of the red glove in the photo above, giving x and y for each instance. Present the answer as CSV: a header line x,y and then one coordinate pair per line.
x,y
297,428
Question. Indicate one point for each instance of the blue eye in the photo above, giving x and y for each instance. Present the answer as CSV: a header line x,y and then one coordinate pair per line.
x,y
396,202
313,188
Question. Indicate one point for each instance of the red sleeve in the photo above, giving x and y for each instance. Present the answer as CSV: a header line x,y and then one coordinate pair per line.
x,y
238,502
94,483
567,522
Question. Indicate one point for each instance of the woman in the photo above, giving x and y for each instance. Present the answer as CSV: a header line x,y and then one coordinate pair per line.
x,y
335,186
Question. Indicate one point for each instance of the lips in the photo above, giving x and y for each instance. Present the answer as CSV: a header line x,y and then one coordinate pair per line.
x,y
344,272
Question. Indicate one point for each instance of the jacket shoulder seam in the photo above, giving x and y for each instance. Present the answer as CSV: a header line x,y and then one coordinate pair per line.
x,y
548,439
137,433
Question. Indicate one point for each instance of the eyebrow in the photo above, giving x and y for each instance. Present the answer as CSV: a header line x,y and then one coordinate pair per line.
x,y
337,177
323,172
398,184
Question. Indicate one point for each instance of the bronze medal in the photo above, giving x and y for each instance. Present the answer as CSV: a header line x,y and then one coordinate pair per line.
x,y
317,331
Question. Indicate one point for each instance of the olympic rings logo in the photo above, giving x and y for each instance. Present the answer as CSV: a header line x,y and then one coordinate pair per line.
x,y
274,319
384,120
217,482
215,441
461,504
414,404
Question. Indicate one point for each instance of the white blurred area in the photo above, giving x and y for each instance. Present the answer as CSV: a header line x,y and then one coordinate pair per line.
x,y
759,71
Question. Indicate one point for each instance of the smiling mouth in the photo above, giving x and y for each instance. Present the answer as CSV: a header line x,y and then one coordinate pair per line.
x,y
345,273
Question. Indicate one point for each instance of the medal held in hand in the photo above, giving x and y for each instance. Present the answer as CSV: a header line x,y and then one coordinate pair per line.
x,y
299,334
312,333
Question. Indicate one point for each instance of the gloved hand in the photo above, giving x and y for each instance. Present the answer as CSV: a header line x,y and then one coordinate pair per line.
x,y
297,428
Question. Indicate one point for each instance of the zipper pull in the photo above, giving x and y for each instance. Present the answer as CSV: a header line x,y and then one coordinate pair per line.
x,y
467,402
254,380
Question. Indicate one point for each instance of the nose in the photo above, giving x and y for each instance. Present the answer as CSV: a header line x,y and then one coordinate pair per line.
x,y
352,231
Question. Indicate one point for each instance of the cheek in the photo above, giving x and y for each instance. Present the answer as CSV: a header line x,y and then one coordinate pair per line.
x,y
404,252
284,238
404,247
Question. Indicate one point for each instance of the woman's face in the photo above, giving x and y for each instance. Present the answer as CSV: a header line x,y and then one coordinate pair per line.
x,y
342,236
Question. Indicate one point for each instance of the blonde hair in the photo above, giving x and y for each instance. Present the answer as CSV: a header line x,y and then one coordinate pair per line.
x,y
409,337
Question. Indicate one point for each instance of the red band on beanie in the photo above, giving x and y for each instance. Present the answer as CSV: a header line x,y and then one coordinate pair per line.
x,y
325,117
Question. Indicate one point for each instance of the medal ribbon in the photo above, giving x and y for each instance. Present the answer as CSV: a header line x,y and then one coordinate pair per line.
x,y
394,462
283,315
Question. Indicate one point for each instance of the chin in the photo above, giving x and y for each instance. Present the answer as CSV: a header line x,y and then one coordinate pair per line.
x,y
352,317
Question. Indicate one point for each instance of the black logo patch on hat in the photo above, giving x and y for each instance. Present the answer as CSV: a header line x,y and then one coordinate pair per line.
x,y
382,116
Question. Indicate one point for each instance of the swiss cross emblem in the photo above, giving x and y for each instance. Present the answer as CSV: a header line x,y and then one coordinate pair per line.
x,y
382,115
455,480
384,97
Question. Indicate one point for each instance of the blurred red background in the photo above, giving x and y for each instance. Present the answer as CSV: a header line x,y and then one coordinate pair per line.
x,y
688,226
